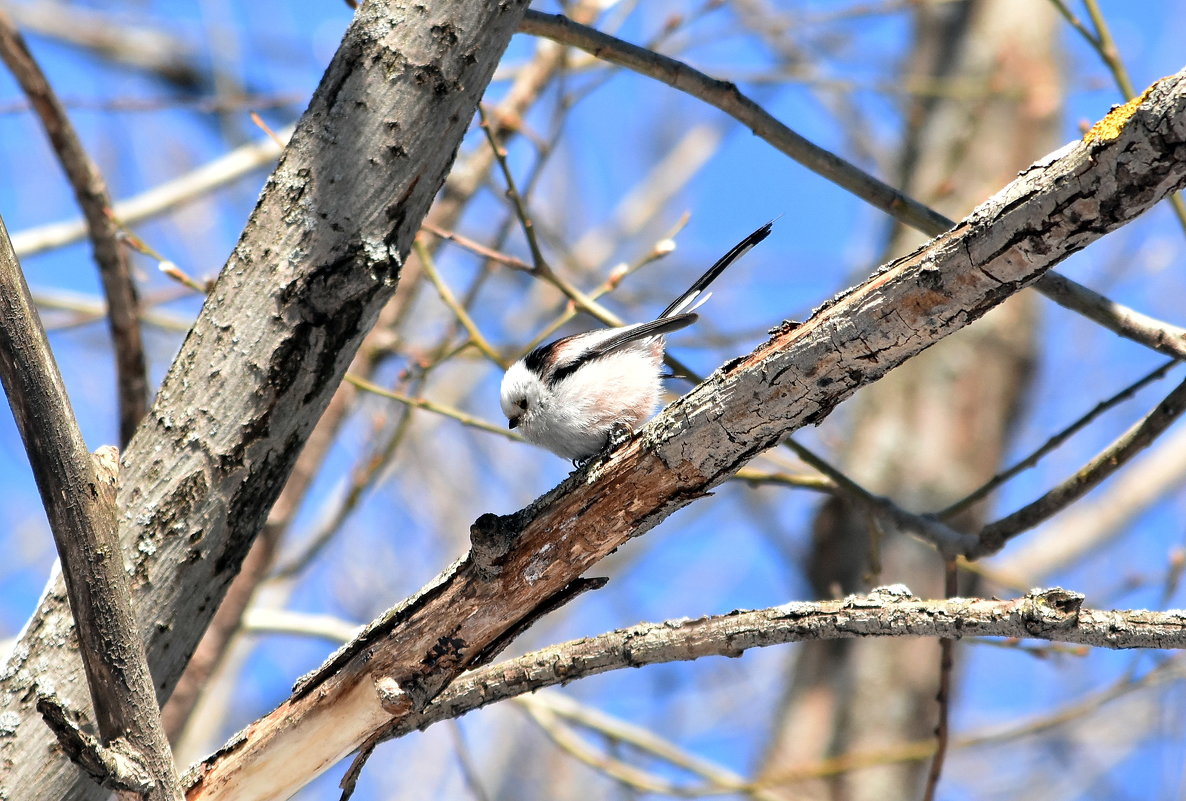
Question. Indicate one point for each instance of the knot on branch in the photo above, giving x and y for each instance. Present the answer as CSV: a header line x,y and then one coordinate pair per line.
x,y
392,697
1055,609
491,538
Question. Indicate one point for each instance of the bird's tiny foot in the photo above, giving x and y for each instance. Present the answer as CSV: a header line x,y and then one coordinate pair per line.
x,y
618,433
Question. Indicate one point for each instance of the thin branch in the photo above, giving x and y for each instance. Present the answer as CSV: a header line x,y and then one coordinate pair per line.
x,y
726,97
436,408
943,696
1055,615
446,295
1103,44
630,776
1053,442
540,266
1129,323
757,478
477,248
994,536
719,779
947,541
160,199
78,493
117,39
1084,527
91,191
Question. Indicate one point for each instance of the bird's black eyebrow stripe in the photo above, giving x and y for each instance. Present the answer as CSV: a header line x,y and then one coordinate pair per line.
x,y
540,357
561,373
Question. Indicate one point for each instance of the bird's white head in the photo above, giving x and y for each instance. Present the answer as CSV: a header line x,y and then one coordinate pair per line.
x,y
521,395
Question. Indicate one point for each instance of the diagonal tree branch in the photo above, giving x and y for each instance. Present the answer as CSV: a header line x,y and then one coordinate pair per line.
x,y
122,303
1155,334
79,498
403,660
1138,437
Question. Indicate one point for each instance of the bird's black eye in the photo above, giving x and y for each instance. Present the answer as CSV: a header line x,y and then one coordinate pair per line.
x,y
522,403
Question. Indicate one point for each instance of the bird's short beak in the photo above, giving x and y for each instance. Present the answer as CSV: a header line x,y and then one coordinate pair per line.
x,y
513,422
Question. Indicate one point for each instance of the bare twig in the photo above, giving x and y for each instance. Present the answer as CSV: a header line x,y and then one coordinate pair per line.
x,y
1053,442
1092,521
119,40
447,297
1103,44
91,192
437,408
160,199
994,536
943,696
78,493
1119,319
477,247
726,97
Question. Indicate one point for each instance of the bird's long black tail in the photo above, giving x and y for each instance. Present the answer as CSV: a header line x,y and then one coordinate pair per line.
x,y
684,301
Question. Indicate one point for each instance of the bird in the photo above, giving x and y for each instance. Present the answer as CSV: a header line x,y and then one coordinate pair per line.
x,y
576,395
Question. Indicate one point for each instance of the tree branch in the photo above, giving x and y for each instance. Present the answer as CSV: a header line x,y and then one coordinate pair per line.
x,y
1155,334
796,378
79,498
1138,437
193,185
1055,615
123,306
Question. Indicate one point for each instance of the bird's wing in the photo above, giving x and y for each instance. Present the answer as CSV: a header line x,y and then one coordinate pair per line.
x,y
572,353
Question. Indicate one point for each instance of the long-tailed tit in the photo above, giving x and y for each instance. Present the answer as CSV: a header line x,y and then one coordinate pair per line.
x,y
570,395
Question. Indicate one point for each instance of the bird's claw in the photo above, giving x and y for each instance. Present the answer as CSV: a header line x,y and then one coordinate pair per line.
x,y
619,433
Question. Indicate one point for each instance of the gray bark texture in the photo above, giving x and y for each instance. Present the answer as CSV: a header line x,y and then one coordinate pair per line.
x,y
530,561
78,492
316,261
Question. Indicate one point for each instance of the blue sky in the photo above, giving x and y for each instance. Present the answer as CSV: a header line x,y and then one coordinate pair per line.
x,y
612,137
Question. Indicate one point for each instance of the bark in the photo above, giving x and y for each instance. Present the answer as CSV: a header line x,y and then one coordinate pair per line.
x,y
79,493
519,563
318,258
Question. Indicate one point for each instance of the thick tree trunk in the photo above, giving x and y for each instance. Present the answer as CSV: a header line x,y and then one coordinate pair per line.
x,y
318,258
